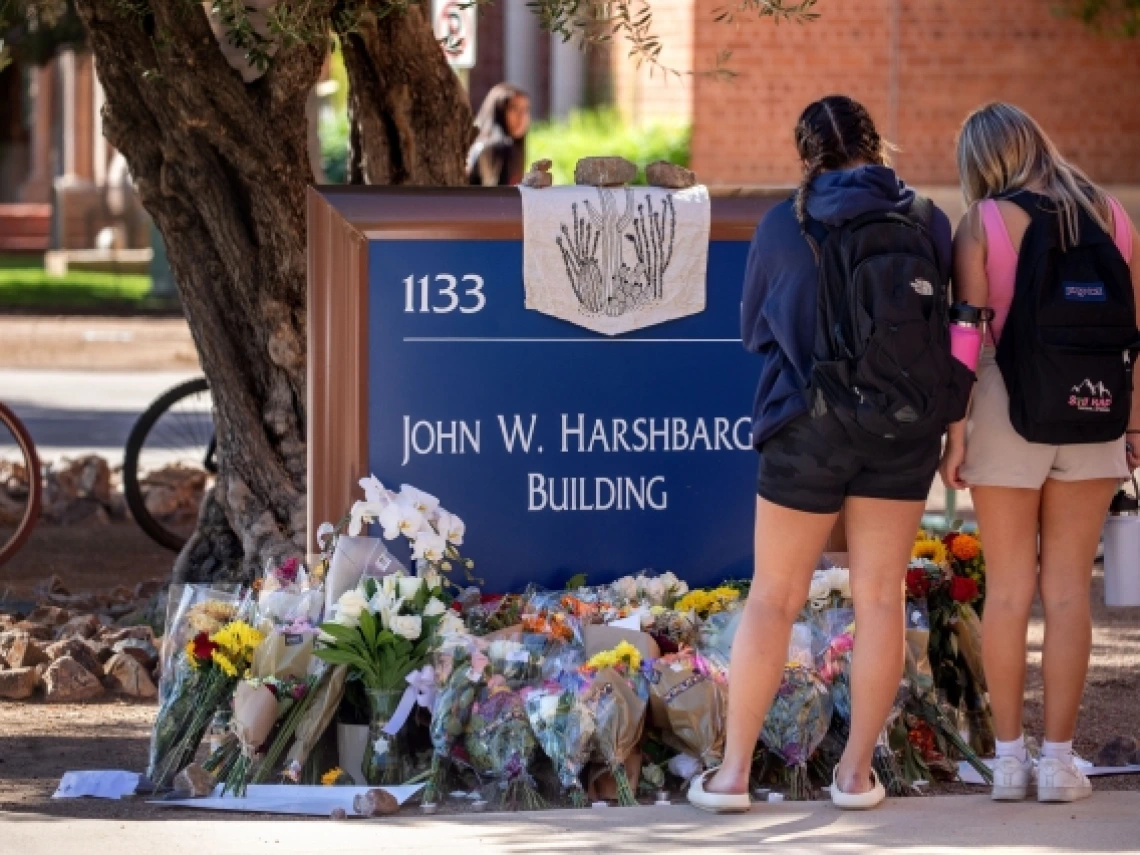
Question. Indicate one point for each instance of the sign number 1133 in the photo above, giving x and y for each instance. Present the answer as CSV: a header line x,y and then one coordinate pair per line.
x,y
464,293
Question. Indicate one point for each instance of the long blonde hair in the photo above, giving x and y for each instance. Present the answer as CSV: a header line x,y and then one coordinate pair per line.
x,y
1001,150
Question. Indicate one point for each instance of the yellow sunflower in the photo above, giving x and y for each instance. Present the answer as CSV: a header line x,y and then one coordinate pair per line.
x,y
929,549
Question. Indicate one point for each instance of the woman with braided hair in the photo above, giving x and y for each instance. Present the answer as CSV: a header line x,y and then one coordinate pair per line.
x,y
811,467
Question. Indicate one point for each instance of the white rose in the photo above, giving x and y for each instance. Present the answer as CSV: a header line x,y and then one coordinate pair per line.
x,y
434,607
839,580
408,626
655,590
408,586
349,607
820,588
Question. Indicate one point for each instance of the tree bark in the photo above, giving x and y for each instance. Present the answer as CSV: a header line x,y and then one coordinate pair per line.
x,y
222,166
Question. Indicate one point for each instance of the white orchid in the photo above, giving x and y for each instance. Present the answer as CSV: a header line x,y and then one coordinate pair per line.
x,y
434,607
411,497
400,519
451,527
430,547
349,607
361,513
376,492
408,626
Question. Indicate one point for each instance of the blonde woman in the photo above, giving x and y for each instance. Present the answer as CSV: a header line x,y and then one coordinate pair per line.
x,y
1033,218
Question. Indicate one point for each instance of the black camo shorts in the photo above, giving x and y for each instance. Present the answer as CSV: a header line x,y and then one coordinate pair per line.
x,y
811,464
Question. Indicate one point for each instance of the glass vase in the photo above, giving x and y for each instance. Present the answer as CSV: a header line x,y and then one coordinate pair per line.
x,y
387,758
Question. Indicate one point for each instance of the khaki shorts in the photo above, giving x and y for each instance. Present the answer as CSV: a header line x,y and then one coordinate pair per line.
x,y
998,456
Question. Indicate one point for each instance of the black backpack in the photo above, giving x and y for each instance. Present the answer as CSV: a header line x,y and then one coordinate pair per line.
x,y
882,360
1065,349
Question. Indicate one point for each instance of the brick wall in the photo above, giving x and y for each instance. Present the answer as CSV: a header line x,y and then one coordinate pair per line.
x,y
952,55
647,95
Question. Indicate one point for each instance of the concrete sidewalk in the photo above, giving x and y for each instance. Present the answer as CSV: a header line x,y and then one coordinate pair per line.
x,y
1109,822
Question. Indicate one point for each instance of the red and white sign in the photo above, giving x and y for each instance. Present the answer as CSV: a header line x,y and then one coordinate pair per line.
x,y
455,22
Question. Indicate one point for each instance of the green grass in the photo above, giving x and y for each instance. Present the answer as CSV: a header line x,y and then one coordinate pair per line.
x,y
25,283
588,133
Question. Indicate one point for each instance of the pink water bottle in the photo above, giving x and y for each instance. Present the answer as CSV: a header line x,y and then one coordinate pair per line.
x,y
967,325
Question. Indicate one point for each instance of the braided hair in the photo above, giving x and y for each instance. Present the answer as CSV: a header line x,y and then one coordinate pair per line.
x,y
835,132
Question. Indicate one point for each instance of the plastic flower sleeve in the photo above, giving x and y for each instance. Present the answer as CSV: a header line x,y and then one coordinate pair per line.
x,y
797,722
501,745
562,733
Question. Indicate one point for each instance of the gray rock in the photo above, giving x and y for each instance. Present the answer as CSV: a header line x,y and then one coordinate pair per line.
x,y
604,171
17,684
537,179
127,676
20,650
68,682
141,650
664,174
194,781
81,626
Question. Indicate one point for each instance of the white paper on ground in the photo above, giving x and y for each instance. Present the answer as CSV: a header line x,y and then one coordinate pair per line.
x,y
632,622
97,784
969,775
299,800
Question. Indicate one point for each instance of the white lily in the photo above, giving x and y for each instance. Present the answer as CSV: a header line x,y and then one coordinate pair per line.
x,y
431,578
349,607
451,624
409,586
363,512
400,519
451,527
423,502
389,584
434,607
430,547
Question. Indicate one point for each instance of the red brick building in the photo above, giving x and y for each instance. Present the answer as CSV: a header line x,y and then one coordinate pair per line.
x,y
918,65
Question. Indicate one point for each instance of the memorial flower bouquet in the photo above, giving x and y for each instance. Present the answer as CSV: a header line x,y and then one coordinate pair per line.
x,y
501,744
384,631
209,669
460,669
688,701
797,722
616,701
564,735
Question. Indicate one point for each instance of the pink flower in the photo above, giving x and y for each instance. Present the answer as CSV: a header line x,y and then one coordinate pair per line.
x,y
842,643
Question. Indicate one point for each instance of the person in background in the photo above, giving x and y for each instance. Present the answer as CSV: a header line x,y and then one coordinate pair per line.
x,y
810,467
1040,507
498,156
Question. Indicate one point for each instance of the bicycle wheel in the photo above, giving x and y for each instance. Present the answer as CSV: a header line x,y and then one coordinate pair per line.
x,y
21,484
170,462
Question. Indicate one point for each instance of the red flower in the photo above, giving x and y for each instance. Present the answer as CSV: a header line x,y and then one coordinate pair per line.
x,y
287,572
203,647
963,589
917,583
273,689
948,540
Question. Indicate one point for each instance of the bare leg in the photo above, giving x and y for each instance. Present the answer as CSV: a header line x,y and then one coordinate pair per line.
x,y
1008,523
880,537
788,547
1072,516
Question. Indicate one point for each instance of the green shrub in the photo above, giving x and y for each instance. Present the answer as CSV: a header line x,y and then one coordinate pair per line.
x,y
589,133
334,146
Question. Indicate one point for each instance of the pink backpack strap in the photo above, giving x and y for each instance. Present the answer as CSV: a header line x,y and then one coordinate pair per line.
x,y
998,243
1122,229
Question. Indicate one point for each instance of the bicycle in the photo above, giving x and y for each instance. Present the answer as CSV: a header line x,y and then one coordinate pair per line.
x,y
21,484
172,442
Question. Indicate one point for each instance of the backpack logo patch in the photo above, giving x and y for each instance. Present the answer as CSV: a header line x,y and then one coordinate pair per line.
x,y
1090,397
1084,292
922,287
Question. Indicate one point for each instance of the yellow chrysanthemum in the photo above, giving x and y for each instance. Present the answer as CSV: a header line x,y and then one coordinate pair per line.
x,y
706,603
965,547
331,776
624,653
929,549
238,639
223,662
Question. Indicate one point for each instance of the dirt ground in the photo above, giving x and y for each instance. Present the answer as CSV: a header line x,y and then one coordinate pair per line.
x,y
151,344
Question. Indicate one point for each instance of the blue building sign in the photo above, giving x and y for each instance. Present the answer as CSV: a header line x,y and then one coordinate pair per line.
x,y
563,450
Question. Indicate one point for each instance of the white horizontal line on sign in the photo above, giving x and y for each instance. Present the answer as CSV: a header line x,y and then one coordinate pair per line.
x,y
421,339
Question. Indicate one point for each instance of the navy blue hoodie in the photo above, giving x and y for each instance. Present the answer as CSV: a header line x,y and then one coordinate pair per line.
x,y
780,282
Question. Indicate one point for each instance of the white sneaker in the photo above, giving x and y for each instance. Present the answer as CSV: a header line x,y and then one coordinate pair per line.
x,y
1061,781
1011,779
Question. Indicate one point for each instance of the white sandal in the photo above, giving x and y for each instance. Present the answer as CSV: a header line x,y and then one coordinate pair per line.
x,y
716,802
857,801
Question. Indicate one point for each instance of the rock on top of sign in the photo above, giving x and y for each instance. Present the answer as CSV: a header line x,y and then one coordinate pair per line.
x,y
604,171
539,175
662,173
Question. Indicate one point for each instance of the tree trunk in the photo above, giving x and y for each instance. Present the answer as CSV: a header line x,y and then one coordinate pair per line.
x,y
222,166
